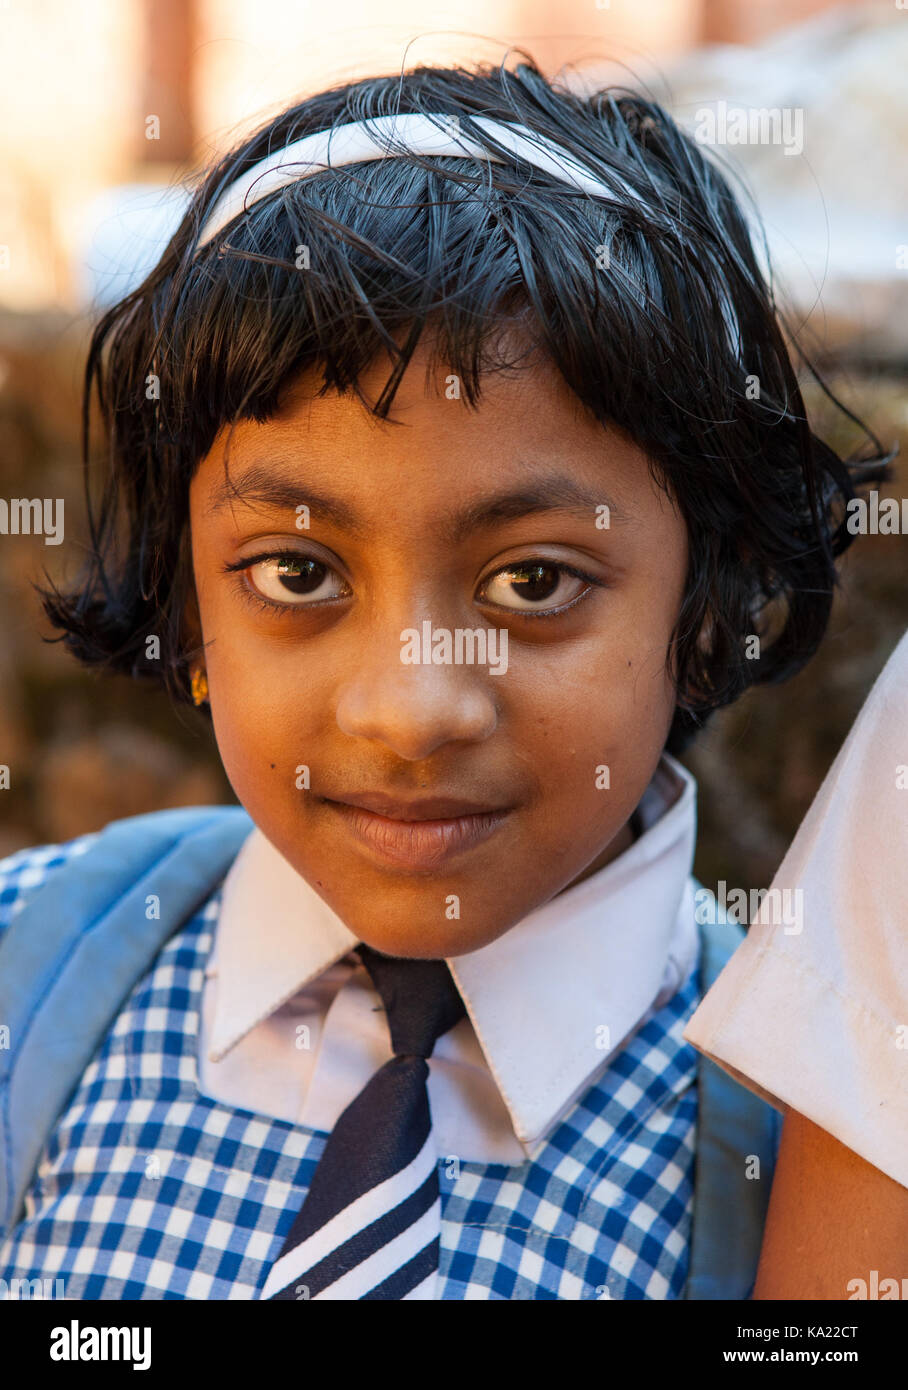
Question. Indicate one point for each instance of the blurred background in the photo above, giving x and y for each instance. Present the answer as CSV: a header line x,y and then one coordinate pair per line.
x,y
106,109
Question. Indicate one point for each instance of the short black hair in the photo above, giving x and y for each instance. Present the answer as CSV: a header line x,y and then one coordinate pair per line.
x,y
664,336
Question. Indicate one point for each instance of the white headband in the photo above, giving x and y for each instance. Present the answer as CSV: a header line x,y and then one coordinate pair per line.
x,y
412,133
415,133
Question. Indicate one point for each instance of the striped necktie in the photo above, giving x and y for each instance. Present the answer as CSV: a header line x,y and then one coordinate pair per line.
x,y
370,1224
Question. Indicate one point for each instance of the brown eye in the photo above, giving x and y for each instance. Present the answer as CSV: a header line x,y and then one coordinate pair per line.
x,y
295,580
539,584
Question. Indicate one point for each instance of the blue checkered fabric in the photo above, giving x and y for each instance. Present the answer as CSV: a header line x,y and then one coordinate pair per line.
x,y
149,1189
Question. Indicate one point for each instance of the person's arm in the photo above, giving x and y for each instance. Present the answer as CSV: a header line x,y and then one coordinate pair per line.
x,y
833,1218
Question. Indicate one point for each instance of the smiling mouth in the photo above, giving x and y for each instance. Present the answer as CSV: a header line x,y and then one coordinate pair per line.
x,y
414,840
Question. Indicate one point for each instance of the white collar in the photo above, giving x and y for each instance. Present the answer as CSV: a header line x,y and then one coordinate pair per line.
x,y
538,996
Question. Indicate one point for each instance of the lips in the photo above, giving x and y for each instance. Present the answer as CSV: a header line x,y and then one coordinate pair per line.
x,y
417,808
417,834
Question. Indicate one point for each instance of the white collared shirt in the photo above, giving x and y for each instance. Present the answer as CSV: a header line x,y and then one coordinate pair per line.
x,y
293,1028
812,1009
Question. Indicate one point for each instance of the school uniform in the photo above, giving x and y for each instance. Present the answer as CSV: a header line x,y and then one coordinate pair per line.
x,y
564,1105
812,1010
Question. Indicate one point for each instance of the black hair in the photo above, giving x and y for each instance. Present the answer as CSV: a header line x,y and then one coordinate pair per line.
x,y
651,305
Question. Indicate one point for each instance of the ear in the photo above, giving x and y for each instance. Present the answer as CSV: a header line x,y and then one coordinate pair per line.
x,y
191,636
189,647
692,695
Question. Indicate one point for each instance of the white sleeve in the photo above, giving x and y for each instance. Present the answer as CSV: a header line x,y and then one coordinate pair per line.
x,y
812,1009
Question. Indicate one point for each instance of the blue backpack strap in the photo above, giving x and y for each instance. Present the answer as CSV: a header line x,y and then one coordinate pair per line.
x,y
71,956
732,1124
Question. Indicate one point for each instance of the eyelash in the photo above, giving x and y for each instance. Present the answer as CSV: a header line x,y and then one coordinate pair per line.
x,y
258,600
270,606
563,568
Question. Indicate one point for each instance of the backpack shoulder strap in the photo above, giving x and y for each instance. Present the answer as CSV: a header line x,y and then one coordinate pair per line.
x,y
733,1124
71,956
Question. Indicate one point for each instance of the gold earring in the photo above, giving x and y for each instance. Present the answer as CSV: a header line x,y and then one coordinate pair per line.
x,y
199,687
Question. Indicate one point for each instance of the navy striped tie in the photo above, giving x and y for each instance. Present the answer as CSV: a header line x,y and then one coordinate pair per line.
x,y
370,1224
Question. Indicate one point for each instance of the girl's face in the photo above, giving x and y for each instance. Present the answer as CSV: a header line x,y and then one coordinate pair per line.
x,y
435,785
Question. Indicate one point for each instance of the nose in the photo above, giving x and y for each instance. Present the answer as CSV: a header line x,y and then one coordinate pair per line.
x,y
414,709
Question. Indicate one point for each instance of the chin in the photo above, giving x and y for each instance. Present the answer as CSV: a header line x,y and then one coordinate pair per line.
x,y
415,942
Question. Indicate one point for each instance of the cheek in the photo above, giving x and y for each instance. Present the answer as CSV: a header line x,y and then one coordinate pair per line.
x,y
609,708
266,727
267,708
261,709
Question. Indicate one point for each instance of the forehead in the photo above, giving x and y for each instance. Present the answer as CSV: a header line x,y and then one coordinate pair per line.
x,y
527,433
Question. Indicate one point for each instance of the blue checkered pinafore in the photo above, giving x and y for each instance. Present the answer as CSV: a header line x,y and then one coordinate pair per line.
x,y
148,1189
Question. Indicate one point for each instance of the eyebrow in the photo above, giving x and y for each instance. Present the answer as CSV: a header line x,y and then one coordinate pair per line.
x,y
260,484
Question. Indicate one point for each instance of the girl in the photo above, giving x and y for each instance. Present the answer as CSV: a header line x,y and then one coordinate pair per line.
x,y
835,996
432,359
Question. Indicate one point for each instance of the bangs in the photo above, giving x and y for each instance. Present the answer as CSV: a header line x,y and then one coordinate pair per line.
x,y
646,298
631,297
